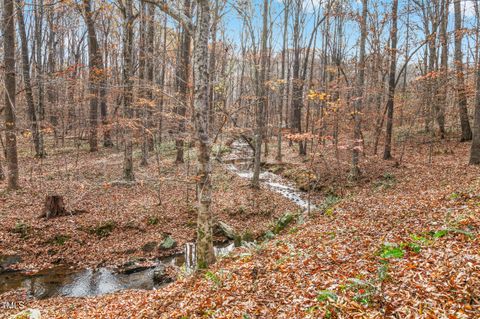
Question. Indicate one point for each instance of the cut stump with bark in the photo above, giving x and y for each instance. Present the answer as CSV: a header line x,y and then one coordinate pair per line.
x,y
54,206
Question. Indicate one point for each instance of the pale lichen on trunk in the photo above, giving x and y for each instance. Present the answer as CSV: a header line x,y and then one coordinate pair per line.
x,y
205,252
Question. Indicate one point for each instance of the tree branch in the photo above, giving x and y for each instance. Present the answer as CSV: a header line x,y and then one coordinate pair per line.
x,y
169,8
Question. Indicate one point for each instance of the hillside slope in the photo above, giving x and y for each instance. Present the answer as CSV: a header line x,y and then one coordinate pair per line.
x,y
407,246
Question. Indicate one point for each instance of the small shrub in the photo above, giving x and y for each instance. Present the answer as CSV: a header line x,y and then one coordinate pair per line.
x,y
454,196
104,229
283,222
443,232
388,180
293,230
153,220
60,239
22,228
327,295
220,150
241,209
419,239
166,148
439,234
382,273
247,236
266,212
416,248
388,251
364,290
213,278
326,207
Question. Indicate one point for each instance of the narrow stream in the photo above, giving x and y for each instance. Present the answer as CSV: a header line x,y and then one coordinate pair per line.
x,y
240,162
66,282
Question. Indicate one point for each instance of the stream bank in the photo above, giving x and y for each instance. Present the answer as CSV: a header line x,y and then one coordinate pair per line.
x,y
67,282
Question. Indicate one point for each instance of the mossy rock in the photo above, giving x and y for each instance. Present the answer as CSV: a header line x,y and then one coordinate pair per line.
x,y
223,229
283,222
269,235
168,243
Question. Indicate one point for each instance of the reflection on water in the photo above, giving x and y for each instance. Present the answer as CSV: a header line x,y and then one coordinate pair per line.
x,y
62,281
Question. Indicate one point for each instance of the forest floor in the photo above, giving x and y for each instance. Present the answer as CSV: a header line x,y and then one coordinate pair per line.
x,y
118,222
401,243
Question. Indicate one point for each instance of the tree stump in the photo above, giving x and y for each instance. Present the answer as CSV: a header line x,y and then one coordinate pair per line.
x,y
54,206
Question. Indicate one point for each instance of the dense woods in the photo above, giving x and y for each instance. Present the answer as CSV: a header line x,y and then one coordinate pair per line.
x,y
131,124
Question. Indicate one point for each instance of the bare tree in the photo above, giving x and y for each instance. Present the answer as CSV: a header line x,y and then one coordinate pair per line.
x,y
205,252
387,154
38,31
297,83
261,97
129,18
442,95
182,79
359,88
10,92
95,73
462,97
284,86
475,148
32,113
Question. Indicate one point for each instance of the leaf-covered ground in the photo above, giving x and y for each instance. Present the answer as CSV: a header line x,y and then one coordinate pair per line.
x,y
404,246
117,220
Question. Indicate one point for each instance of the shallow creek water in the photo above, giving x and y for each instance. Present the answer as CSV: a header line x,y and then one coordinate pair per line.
x,y
240,162
66,282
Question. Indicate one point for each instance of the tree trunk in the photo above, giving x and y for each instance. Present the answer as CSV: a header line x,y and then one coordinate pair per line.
x,y
10,92
32,114
475,148
142,91
94,73
38,10
358,103
150,67
297,88
442,95
52,92
261,98
162,80
205,252
387,154
2,173
284,97
461,93
182,78
212,63
128,173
